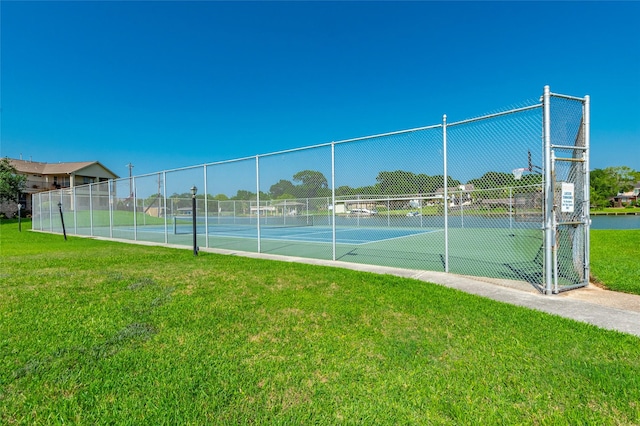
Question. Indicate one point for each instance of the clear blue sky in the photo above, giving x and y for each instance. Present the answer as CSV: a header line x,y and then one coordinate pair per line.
x,y
171,84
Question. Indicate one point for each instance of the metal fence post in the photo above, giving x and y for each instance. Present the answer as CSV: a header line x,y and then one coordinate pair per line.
x,y
40,210
194,219
90,210
75,210
257,201
50,213
164,205
333,201
110,206
445,195
586,122
206,210
510,207
548,192
461,212
135,209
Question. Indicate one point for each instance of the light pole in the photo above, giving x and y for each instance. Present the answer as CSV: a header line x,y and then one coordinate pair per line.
x,y
194,190
19,217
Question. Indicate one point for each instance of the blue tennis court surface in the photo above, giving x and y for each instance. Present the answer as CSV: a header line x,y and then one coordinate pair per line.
x,y
313,234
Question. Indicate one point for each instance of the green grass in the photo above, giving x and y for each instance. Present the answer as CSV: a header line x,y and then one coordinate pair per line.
x,y
616,210
101,218
615,259
100,332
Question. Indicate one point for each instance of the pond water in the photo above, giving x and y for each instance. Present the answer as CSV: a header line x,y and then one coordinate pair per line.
x,y
615,222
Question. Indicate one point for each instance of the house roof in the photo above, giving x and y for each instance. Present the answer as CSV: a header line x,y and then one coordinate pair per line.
x,y
34,167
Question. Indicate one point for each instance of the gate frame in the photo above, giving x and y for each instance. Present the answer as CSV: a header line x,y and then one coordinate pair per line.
x,y
550,223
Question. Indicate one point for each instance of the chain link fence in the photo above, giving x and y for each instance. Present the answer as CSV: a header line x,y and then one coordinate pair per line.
x,y
570,176
381,200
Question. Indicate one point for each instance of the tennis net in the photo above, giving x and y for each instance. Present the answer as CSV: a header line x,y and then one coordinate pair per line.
x,y
184,224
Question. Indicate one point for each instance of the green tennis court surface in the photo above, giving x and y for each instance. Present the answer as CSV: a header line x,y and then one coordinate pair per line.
x,y
514,254
299,232
498,251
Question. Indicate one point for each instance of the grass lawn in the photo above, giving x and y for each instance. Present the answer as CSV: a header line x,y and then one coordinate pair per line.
x,y
101,332
615,259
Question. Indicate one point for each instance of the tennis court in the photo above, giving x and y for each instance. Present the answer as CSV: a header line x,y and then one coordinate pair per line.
x,y
498,247
298,229
494,248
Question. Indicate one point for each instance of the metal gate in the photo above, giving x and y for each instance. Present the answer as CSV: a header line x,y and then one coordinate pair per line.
x,y
566,172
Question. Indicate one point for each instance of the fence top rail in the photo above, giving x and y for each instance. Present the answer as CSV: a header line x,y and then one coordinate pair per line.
x,y
344,141
326,144
573,98
497,114
381,135
376,198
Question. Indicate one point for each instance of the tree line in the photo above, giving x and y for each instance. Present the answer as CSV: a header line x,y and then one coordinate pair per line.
x,y
604,185
609,182
313,184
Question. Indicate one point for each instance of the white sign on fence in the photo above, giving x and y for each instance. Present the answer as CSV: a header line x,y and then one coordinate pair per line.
x,y
567,198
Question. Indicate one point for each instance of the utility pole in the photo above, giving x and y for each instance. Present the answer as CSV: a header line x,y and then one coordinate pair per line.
x,y
130,166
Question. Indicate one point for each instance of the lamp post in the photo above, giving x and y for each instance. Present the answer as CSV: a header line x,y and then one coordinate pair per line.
x,y
19,217
194,190
64,231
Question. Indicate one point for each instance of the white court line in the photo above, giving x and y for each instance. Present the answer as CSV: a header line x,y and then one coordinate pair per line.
x,y
357,242
404,236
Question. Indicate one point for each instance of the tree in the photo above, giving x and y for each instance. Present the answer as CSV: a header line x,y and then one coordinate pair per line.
x,y
625,177
603,184
249,196
286,196
180,200
11,183
344,190
401,182
282,187
609,182
493,180
429,184
397,182
313,184
597,200
244,195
